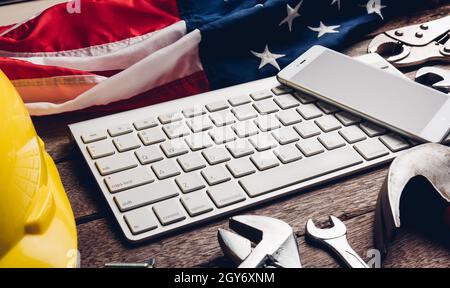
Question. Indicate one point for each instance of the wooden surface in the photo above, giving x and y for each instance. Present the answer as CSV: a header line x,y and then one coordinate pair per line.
x,y
352,199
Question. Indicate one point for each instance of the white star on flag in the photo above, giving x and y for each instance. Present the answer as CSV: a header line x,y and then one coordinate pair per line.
x,y
268,58
292,13
338,3
374,6
323,29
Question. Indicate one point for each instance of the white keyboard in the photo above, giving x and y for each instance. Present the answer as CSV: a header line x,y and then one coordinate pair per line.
x,y
179,163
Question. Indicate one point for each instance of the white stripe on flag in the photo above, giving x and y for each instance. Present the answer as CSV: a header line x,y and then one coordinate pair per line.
x,y
172,62
107,57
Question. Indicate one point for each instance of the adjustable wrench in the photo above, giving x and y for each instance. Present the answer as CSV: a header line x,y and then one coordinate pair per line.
x,y
336,239
276,244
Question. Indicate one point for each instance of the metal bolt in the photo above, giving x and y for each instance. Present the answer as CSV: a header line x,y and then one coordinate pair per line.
x,y
424,27
419,34
398,33
447,49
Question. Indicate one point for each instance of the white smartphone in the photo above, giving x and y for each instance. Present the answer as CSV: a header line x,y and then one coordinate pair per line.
x,y
397,103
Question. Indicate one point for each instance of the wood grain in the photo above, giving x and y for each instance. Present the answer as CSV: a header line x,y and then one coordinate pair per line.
x,y
352,199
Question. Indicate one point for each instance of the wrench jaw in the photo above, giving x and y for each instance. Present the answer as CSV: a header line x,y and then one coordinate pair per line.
x,y
437,78
318,234
276,244
234,246
390,49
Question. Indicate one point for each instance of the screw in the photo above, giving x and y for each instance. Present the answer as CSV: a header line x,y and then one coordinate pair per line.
x,y
424,27
151,263
398,33
419,34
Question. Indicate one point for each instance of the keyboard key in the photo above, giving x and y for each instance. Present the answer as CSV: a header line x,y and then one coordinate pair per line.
x,y
263,142
215,175
239,148
126,143
307,129
145,195
239,100
217,106
260,95
285,135
93,136
245,129
190,182
151,136
328,123
145,123
331,140
141,220
190,162
170,117
193,112
310,147
166,169
265,107
215,155
196,203
199,124
198,141
289,117
115,163
281,89
304,98
327,108
149,154
174,148
394,142
176,130
288,153
267,123
222,135
244,112
347,119
371,149
129,179
100,149
372,129
226,194
352,134
295,172
120,130
309,111
286,101
240,167
265,160
222,118
169,212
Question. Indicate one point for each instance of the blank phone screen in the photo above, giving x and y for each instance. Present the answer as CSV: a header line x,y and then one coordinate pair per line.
x,y
371,91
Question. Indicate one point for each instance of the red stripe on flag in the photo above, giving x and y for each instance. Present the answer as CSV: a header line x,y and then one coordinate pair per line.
x,y
19,69
58,30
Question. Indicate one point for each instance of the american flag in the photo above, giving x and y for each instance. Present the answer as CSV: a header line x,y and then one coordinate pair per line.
x,y
112,55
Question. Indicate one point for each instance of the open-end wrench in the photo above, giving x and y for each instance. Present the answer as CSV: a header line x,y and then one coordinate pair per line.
x,y
336,239
437,78
276,244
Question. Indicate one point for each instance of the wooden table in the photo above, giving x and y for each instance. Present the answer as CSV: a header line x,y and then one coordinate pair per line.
x,y
352,199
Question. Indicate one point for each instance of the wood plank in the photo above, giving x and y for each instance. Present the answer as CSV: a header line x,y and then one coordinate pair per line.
x,y
99,244
82,191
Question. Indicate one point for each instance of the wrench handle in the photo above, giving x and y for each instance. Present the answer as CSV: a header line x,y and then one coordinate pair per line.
x,y
346,253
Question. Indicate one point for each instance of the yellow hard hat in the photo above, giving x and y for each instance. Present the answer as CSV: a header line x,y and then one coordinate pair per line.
x,y
37,227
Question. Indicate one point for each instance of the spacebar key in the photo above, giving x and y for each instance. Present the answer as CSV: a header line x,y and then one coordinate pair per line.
x,y
300,171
